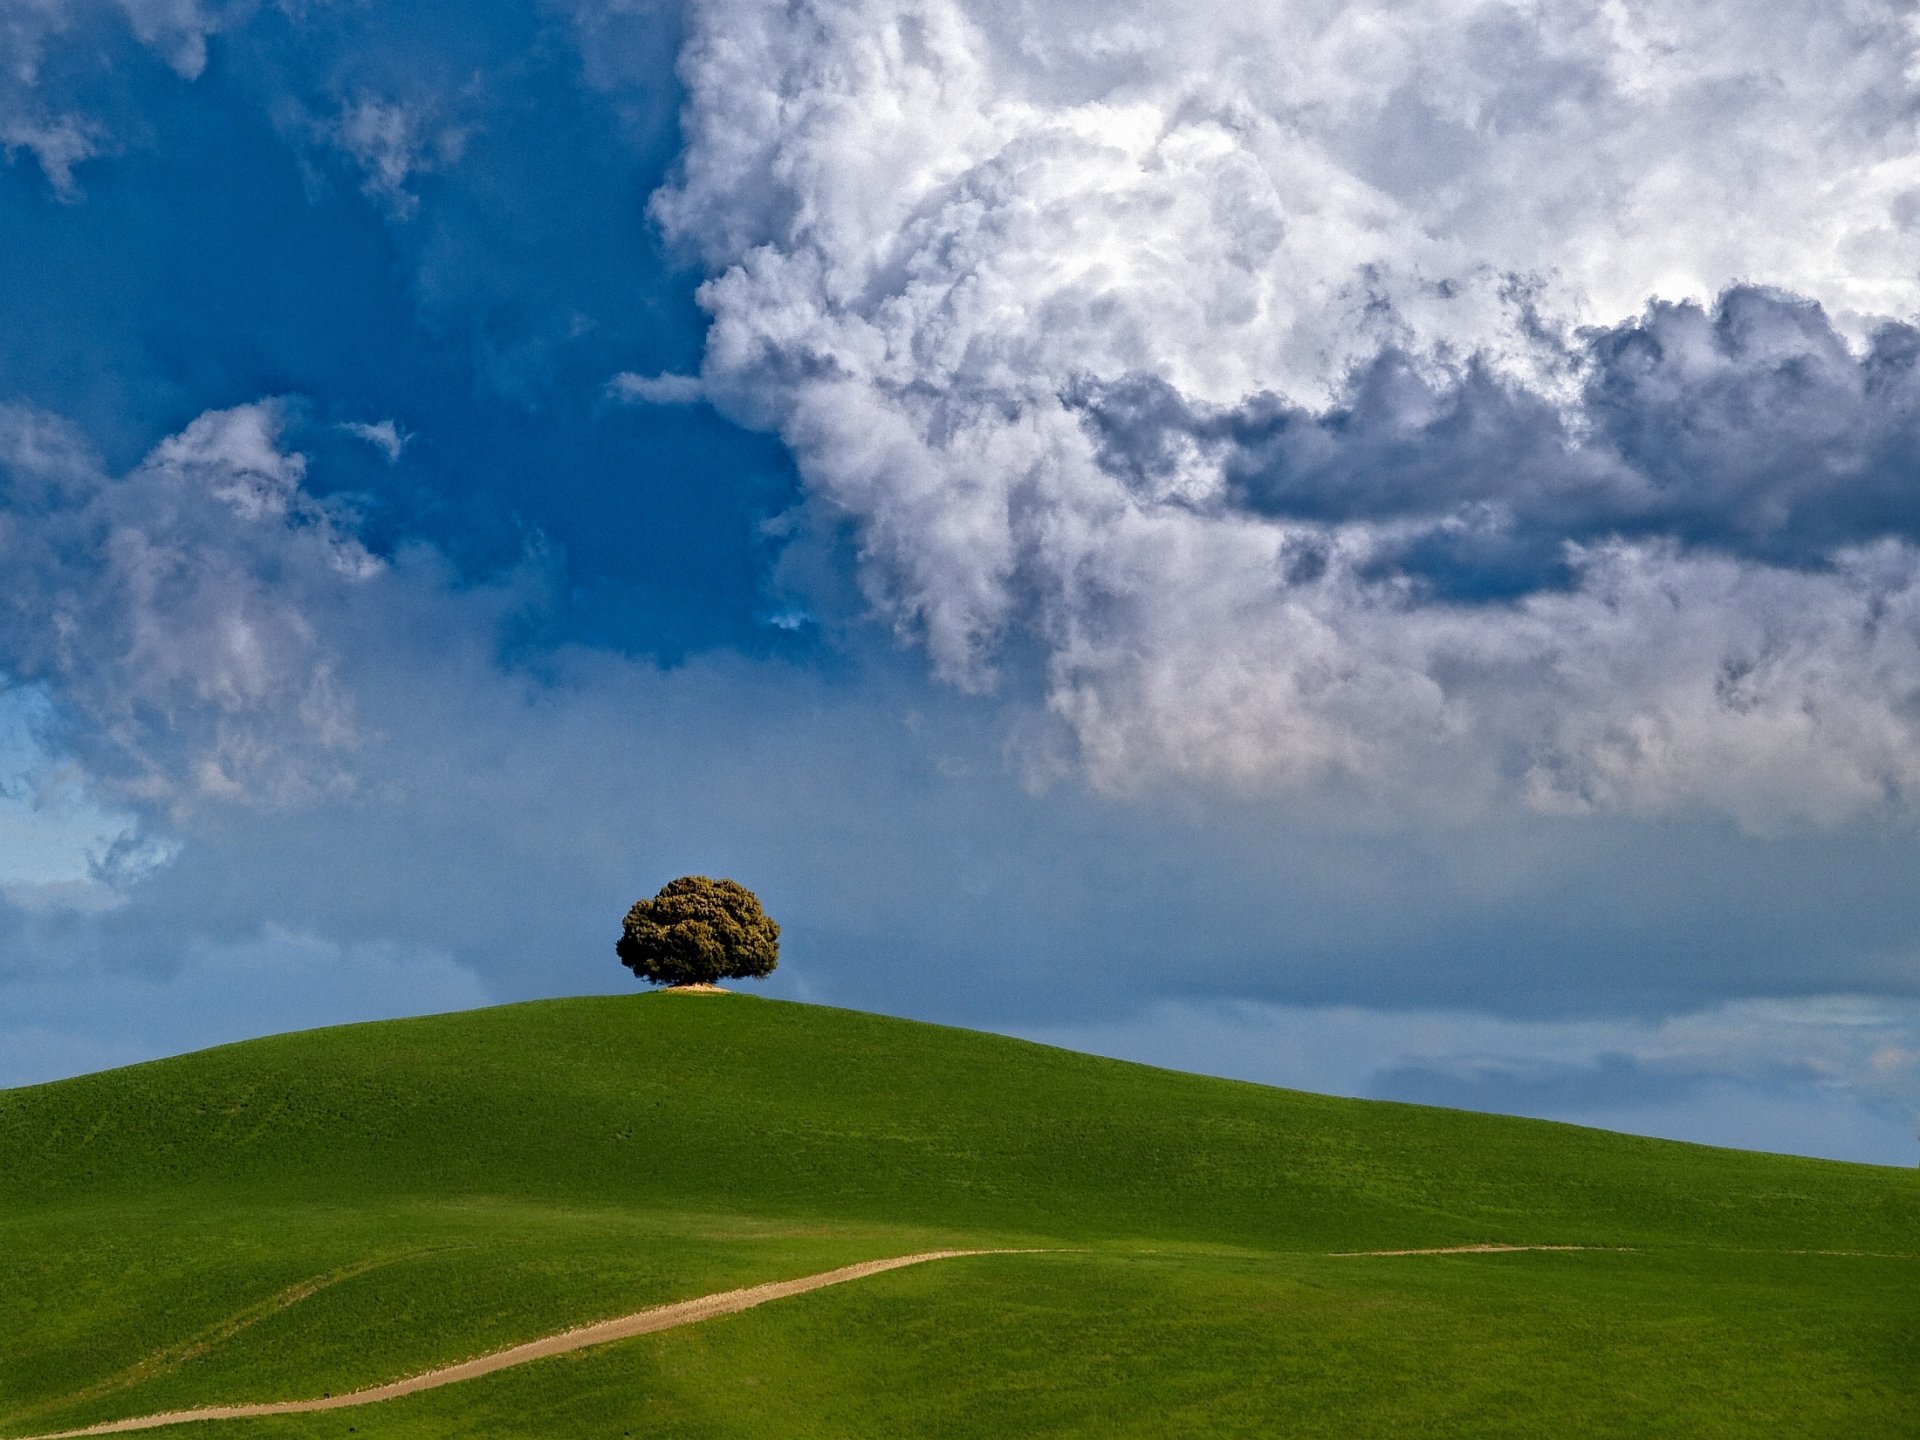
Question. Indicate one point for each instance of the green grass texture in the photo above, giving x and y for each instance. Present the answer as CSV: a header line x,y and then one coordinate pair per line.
x,y
322,1211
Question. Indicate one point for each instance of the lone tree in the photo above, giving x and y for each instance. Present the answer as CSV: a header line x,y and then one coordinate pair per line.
x,y
697,931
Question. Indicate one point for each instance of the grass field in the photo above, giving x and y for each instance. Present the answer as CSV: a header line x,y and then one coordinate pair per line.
x,y
317,1212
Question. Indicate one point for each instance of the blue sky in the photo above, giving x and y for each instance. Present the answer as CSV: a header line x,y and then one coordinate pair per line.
x,y
1375,548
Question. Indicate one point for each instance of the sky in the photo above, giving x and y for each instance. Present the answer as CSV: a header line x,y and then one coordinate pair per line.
x,y
1367,547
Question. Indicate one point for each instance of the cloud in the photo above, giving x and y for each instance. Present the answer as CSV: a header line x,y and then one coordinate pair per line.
x,y
59,848
1749,429
657,389
170,611
1796,1076
1230,402
393,143
1739,470
58,143
43,111
1280,388
464,812
179,29
57,140
385,436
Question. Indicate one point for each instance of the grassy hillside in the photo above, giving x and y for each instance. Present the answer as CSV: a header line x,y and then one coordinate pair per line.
x,y
319,1211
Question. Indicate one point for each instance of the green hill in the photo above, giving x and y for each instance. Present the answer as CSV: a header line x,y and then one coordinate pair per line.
x,y
316,1212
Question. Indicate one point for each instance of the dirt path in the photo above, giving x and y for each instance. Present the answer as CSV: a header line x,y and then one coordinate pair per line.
x,y
1471,1250
644,1322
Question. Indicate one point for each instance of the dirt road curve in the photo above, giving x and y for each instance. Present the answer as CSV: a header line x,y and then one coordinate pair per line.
x,y
662,1317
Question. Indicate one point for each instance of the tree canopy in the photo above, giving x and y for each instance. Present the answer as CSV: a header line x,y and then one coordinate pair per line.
x,y
698,930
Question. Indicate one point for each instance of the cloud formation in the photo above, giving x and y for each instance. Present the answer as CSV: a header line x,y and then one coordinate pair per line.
x,y
41,113
1237,371
172,610
1397,407
1748,429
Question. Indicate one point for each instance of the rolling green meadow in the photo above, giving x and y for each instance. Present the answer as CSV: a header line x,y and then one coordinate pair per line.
x,y
322,1211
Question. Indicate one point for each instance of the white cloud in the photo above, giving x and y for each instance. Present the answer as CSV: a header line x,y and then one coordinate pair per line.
x,y
178,29
56,139
57,142
170,612
385,436
926,223
657,389
58,134
393,142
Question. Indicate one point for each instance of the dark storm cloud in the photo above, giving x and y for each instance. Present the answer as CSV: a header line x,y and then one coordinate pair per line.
x,y
1749,429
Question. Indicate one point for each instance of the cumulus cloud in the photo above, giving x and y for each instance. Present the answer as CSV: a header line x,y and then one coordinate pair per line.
x,y
1281,383
168,611
440,825
1273,393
